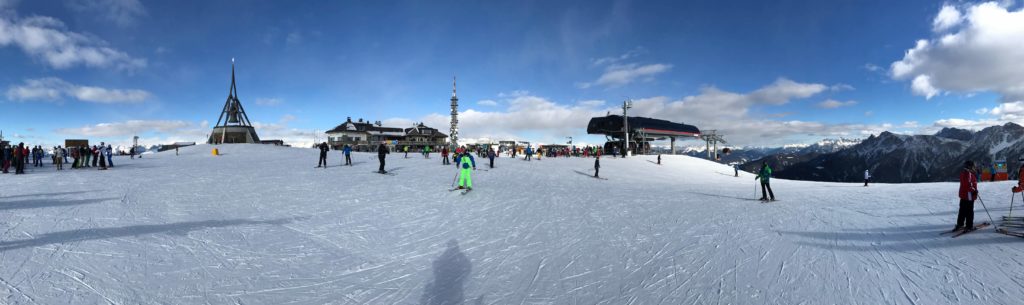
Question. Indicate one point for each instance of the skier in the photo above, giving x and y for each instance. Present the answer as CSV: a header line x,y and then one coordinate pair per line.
x,y
6,158
867,176
529,152
110,154
736,169
58,157
102,156
659,159
597,166
490,155
382,151
348,155
466,165
19,159
766,187
1020,177
323,155
426,152
992,170
131,151
407,151
95,155
968,193
444,156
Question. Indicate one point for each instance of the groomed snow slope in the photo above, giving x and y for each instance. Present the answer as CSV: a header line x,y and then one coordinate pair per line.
x,y
260,225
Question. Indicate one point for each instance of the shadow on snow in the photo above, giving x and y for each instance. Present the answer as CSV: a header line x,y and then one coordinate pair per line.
x,y
104,233
898,239
451,270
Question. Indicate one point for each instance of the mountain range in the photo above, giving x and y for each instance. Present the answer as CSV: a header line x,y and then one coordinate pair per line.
x,y
896,158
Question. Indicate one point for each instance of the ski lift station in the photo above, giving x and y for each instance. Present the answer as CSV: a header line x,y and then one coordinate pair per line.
x,y
642,131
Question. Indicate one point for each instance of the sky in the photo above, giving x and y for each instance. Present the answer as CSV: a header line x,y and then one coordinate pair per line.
x,y
761,73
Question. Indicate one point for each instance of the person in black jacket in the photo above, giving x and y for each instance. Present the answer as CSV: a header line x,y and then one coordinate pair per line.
x,y
490,155
382,151
597,165
323,155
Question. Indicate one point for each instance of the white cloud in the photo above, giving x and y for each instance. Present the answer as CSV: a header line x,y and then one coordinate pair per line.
x,y
47,39
832,104
1009,112
948,17
712,108
620,75
293,38
268,101
872,67
841,87
6,4
127,128
487,103
153,132
966,124
922,85
617,73
55,89
783,90
617,59
592,103
120,12
982,52
290,135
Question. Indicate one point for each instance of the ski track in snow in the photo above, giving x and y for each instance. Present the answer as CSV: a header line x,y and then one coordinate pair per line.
x,y
258,225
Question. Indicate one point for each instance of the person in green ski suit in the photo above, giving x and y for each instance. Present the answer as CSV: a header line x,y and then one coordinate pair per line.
x,y
766,188
466,165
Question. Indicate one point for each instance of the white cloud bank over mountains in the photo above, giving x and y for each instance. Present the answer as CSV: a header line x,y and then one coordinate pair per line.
x,y
713,108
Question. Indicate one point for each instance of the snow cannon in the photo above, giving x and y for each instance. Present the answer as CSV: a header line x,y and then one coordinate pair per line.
x,y
215,152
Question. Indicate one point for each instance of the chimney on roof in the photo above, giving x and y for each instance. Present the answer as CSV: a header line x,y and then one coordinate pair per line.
x,y
348,120
360,120
379,124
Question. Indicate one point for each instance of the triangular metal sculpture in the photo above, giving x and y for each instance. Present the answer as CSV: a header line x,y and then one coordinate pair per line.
x,y
233,125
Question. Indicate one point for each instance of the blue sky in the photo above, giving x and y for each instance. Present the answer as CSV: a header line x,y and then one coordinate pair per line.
x,y
762,72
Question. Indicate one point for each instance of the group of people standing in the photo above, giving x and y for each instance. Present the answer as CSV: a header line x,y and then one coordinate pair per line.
x,y
324,148
18,156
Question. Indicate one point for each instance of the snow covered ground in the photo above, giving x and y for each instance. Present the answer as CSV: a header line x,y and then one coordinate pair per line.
x,y
261,225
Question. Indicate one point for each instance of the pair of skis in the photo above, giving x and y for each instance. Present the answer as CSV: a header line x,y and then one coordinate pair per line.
x,y
463,191
961,232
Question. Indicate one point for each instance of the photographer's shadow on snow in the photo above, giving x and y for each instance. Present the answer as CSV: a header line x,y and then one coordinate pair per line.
x,y
895,239
136,230
451,270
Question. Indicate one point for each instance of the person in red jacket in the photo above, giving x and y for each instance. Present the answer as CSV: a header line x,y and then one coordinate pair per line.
x,y
1020,178
444,155
968,193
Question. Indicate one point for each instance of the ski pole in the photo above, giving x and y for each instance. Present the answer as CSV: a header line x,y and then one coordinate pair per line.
x,y
456,178
994,226
1011,205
